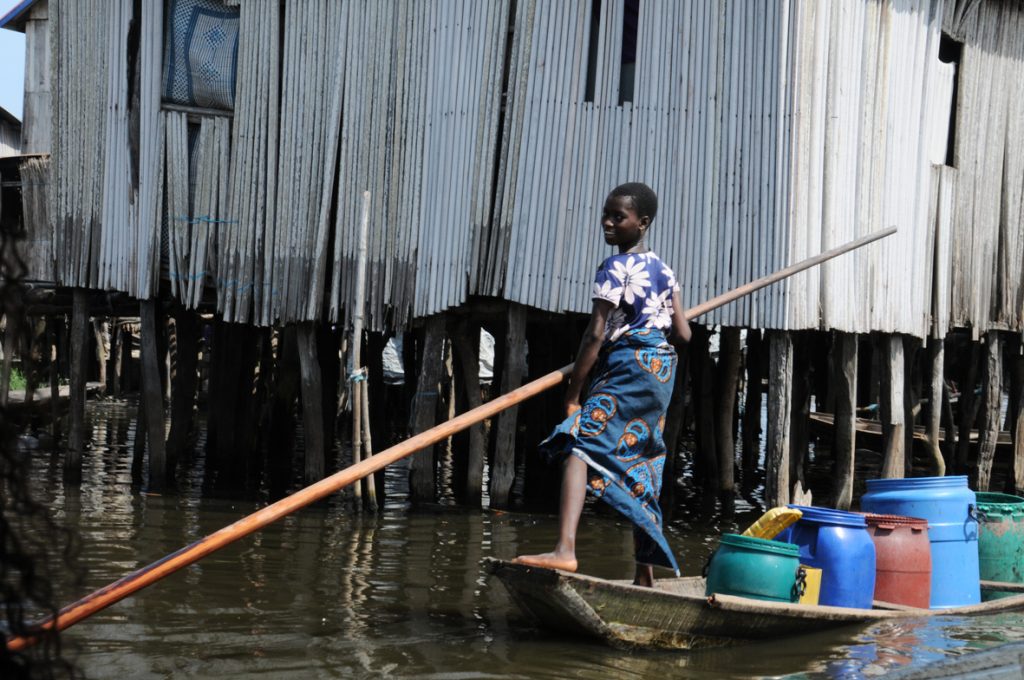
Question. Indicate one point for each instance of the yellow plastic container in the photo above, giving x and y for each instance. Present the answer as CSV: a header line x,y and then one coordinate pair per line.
x,y
812,585
773,522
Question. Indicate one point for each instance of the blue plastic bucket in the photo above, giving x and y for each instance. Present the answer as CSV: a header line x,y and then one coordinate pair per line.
x,y
839,544
950,508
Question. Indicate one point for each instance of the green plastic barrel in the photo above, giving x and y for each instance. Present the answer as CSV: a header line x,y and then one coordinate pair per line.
x,y
1000,540
755,568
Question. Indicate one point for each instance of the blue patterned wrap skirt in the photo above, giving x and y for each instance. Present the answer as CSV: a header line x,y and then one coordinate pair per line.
x,y
618,433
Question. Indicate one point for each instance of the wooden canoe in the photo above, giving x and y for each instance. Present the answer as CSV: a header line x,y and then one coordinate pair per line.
x,y
676,614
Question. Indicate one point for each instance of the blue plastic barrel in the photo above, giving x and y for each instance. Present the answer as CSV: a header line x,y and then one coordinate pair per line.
x,y
949,507
839,544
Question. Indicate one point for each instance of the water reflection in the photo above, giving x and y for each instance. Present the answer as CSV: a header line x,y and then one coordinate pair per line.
x,y
326,593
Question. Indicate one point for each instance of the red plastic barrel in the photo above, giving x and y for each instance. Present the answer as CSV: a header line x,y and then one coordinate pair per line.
x,y
903,559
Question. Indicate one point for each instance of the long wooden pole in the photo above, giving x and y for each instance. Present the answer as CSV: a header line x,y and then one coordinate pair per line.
x,y
139,579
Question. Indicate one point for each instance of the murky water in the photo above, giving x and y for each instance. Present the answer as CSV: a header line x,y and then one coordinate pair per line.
x,y
328,593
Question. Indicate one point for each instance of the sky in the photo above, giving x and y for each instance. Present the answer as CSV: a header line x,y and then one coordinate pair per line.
x,y
12,65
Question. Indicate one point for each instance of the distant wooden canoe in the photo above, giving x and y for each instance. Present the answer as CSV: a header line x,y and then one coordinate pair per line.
x,y
873,428
676,614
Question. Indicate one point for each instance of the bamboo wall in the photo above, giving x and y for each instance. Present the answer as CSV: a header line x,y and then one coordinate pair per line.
x,y
770,130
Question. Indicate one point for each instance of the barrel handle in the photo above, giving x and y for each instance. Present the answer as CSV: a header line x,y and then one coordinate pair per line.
x,y
887,527
974,513
800,585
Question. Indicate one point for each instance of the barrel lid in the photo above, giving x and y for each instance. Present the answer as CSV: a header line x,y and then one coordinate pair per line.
x,y
762,544
903,483
999,503
876,519
829,516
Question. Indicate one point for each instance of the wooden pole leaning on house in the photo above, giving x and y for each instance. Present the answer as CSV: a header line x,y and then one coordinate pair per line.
x,y
150,574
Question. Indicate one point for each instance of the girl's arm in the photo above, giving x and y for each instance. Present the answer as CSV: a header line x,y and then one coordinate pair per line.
x,y
680,326
586,356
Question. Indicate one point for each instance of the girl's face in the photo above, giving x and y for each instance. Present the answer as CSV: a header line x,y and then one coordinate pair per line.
x,y
622,226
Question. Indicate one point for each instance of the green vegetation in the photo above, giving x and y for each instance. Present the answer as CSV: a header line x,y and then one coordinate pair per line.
x,y
18,381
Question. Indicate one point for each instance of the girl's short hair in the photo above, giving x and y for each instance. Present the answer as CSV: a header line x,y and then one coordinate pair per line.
x,y
645,201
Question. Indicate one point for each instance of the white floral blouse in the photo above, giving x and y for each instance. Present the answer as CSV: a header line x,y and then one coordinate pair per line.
x,y
640,286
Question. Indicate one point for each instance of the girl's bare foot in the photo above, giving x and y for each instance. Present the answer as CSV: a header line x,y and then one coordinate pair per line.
x,y
551,560
644,576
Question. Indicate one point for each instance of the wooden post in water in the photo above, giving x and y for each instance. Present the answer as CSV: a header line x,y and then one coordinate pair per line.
x,y
312,403
702,374
891,405
752,407
992,391
101,330
356,371
936,360
79,342
725,386
153,399
780,393
183,383
845,390
466,352
51,355
967,407
800,401
513,368
911,400
1016,417
422,482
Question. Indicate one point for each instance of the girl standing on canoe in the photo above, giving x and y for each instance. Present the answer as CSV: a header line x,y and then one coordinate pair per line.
x,y
612,445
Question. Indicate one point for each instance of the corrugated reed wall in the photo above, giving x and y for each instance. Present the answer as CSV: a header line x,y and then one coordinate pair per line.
x,y
771,130
988,250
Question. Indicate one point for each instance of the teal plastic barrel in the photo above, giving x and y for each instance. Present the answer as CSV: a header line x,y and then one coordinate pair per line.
x,y
1000,540
755,568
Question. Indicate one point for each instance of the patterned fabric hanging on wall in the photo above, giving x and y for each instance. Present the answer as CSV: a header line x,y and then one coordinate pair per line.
x,y
201,54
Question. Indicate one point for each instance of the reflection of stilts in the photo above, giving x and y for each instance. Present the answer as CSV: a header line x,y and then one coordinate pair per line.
x,y
357,560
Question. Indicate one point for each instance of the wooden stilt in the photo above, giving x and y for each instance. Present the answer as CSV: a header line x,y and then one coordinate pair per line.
x,y
780,392
51,355
32,358
967,406
936,359
371,487
466,351
101,330
844,354
891,406
117,336
702,372
992,391
422,468
800,399
10,333
752,408
281,435
79,342
128,343
312,403
183,380
911,400
1015,411
153,400
673,432
513,369
725,387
